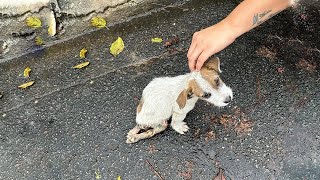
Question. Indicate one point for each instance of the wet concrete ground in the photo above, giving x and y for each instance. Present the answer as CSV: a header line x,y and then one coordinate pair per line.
x,y
71,124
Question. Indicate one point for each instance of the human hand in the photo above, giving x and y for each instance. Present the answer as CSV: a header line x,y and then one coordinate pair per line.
x,y
209,41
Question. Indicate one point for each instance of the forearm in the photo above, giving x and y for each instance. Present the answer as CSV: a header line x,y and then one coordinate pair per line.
x,y
251,13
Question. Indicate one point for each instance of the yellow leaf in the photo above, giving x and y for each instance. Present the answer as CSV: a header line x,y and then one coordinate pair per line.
x,y
25,85
38,40
117,47
119,178
98,22
98,175
82,65
83,53
26,72
156,40
33,22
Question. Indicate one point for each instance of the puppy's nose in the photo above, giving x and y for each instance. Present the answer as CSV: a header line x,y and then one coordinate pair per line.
x,y
227,100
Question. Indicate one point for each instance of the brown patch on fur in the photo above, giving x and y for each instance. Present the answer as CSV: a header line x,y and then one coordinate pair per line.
x,y
193,88
182,99
140,106
210,72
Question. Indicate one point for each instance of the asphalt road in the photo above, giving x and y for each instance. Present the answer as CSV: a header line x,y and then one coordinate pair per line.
x,y
71,124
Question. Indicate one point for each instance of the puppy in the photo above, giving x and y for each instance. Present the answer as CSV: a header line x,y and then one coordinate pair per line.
x,y
174,97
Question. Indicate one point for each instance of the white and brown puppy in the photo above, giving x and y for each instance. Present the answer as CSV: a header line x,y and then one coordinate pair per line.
x,y
174,97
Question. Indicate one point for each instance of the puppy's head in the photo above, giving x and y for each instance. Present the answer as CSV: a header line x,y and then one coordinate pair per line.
x,y
207,86
210,82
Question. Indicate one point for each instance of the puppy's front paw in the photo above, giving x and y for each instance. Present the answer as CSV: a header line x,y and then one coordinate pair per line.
x,y
180,127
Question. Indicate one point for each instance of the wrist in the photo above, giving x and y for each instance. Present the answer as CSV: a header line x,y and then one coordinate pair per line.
x,y
233,29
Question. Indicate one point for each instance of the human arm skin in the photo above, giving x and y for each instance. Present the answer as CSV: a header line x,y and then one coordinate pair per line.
x,y
246,16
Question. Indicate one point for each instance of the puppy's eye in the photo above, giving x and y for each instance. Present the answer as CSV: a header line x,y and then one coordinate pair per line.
x,y
206,95
217,81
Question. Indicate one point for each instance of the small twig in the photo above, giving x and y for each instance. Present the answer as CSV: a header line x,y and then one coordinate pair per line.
x,y
153,169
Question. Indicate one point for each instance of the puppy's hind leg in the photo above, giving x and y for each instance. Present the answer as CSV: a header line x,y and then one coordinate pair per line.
x,y
137,129
132,138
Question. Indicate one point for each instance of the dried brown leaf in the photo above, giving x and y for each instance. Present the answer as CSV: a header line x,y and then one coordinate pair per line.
x,y
210,136
266,52
244,127
220,175
306,65
172,41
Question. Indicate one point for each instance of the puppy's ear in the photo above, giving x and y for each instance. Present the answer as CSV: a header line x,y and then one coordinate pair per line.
x,y
213,64
182,98
194,88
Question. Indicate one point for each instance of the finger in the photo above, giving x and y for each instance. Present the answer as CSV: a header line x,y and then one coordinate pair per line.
x,y
193,57
202,58
191,48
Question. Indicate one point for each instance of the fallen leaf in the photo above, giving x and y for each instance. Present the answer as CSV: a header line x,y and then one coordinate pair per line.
x,y
210,135
38,40
220,175
98,22
244,127
117,47
98,175
119,178
197,133
306,65
173,41
83,53
52,25
25,85
82,65
156,40
33,22
26,72
267,53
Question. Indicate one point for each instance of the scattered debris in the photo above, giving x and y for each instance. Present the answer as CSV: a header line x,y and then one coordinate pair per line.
x,y
172,41
301,102
306,65
280,70
23,33
117,47
26,85
98,174
220,175
188,173
152,148
153,169
267,53
82,65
